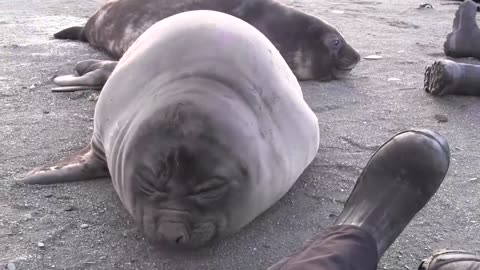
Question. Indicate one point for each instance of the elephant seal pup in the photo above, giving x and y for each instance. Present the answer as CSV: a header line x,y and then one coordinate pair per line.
x,y
313,48
198,142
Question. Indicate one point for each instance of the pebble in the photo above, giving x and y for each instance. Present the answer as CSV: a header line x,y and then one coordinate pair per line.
x,y
45,111
11,266
441,118
92,97
40,245
84,226
70,208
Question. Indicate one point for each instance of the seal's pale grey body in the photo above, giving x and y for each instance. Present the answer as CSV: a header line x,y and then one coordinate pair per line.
x,y
313,48
198,142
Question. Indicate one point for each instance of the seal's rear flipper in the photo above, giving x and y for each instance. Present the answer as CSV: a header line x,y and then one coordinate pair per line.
x,y
82,165
74,33
93,74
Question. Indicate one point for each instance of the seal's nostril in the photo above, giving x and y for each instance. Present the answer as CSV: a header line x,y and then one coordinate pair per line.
x,y
179,239
174,233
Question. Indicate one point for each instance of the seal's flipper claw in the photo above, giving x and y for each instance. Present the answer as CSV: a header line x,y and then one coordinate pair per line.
x,y
75,88
93,74
82,165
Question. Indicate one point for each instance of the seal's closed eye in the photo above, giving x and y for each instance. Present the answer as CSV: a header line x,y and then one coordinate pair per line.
x,y
210,191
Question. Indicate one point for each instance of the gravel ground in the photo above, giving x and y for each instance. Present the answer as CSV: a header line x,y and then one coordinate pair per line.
x,y
357,114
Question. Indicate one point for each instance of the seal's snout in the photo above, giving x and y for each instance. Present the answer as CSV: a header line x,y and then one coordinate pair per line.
x,y
348,58
174,233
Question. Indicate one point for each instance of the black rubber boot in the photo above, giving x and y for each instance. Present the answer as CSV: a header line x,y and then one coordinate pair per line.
x,y
451,260
464,40
396,183
445,77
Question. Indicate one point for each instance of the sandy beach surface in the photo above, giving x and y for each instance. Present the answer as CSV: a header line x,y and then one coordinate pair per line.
x,y
356,114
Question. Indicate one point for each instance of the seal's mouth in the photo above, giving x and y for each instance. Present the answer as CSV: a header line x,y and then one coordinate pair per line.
x,y
347,64
347,69
172,231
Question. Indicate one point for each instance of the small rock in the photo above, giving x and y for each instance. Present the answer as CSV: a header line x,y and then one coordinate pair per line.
x,y
426,6
41,245
393,79
332,215
70,208
84,226
11,266
28,216
441,118
45,111
48,195
92,97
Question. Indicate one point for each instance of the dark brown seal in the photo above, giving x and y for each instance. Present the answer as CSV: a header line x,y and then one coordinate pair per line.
x,y
313,48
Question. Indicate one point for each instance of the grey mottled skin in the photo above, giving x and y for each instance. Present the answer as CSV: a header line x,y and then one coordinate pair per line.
x,y
313,48
197,142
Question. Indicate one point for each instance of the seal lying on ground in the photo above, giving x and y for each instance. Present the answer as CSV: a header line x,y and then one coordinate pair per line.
x,y
197,142
312,48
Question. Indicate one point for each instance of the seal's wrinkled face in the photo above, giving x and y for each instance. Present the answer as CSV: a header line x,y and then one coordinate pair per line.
x,y
187,189
324,54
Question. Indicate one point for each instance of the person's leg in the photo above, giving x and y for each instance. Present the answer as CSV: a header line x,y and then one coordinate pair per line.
x,y
451,260
464,40
338,247
396,183
445,77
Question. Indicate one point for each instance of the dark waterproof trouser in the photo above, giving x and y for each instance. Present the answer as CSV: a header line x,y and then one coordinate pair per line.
x,y
342,247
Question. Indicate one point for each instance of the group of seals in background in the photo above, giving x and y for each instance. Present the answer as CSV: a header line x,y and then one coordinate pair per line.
x,y
202,124
447,77
313,48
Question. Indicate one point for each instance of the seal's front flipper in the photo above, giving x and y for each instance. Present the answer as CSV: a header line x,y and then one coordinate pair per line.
x,y
93,74
82,165
74,33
